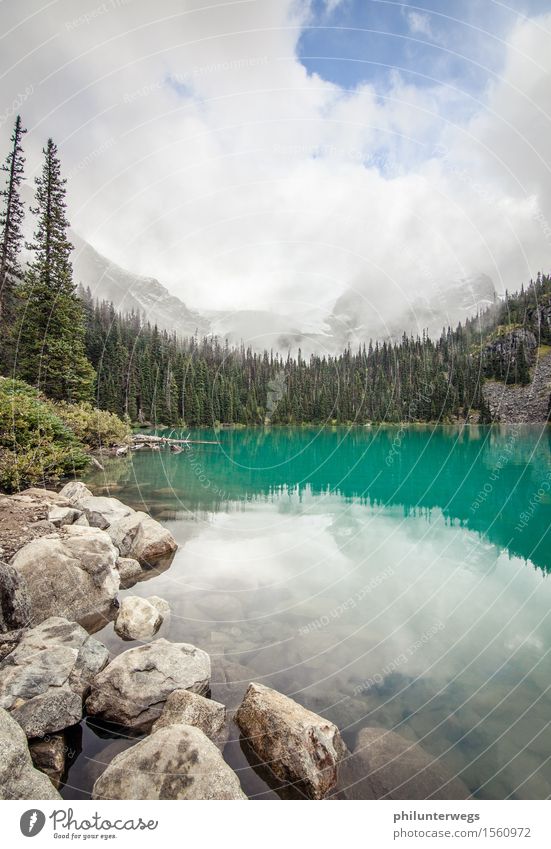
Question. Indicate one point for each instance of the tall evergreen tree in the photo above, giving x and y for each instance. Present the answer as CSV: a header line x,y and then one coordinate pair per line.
x,y
11,219
51,328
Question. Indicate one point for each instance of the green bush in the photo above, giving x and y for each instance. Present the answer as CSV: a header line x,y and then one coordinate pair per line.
x,y
36,445
94,428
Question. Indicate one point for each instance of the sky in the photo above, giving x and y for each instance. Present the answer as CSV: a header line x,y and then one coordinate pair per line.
x,y
254,154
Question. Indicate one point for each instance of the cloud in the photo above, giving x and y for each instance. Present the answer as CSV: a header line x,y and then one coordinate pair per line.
x,y
202,152
419,22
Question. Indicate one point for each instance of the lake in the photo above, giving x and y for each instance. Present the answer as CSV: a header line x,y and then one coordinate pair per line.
x,y
380,576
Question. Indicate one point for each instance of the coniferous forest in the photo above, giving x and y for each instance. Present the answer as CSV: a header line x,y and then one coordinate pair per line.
x,y
57,338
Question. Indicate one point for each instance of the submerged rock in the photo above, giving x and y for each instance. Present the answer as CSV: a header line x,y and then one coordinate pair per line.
x,y
48,755
184,707
177,762
133,688
71,573
298,746
137,619
44,679
18,777
385,765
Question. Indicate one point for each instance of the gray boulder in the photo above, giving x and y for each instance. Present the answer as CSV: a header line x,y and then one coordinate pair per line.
x,y
75,491
72,573
298,745
44,679
185,708
130,572
102,511
15,604
385,765
177,762
18,777
142,538
137,619
59,516
132,689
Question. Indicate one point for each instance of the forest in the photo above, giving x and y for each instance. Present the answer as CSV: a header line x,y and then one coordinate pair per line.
x,y
61,341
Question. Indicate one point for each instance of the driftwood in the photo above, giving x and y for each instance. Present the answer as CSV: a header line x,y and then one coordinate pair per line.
x,y
140,439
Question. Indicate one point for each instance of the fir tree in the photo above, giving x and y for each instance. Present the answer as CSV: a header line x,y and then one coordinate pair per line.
x,y
51,330
11,236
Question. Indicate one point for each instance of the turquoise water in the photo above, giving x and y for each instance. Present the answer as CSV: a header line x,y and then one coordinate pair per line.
x,y
391,577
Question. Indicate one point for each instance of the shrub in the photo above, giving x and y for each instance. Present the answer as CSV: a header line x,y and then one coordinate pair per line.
x,y
36,445
94,428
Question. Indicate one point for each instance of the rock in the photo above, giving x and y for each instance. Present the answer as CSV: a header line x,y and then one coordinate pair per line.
x,y
74,491
82,522
137,619
177,762
298,745
385,765
130,572
18,777
9,641
102,511
48,755
59,516
44,679
69,574
142,538
48,496
133,688
121,451
96,463
162,606
185,708
15,603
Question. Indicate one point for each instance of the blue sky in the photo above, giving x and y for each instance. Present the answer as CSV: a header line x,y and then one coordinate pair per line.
x,y
460,42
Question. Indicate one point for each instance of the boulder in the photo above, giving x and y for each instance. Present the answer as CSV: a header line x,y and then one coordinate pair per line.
x,y
102,511
18,777
132,689
48,755
185,708
297,745
15,603
46,676
177,762
71,573
385,765
74,491
129,571
137,619
142,538
59,516
162,606
9,641
46,496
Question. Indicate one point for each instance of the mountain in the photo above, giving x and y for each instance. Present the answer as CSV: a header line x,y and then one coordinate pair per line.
x,y
129,291
353,317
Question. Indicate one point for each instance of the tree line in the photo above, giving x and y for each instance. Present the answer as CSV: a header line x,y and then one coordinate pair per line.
x,y
73,348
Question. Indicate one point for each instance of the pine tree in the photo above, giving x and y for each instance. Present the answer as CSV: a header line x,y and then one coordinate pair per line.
x,y
51,330
11,236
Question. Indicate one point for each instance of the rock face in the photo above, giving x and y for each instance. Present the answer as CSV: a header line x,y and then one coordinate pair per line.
x,y
297,745
44,679
137,619
185,708
15,604
133,688
71,573
177,762
142,538
510,403
18,777
385,765
48,755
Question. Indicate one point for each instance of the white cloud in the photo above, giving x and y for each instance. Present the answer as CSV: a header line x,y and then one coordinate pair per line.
x,y
202,152
419,23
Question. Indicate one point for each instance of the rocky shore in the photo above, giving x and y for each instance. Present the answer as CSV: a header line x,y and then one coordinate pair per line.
x,y
63,559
